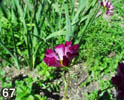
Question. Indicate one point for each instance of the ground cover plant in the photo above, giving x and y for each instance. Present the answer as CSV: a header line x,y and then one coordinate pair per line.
x,y
61,49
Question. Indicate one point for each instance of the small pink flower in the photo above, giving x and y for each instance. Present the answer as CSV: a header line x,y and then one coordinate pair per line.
x,y
108,6
63,55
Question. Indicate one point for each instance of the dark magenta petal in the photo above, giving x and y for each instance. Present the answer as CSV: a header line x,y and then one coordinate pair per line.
x,y
52,62
120,70
108,12
101,4
74,49
68,43
66,61
67,46
108,4
51,53
117,80
121,93
73,52
71,56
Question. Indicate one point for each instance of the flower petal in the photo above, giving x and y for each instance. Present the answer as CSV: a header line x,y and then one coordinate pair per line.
x,y
67,46
60,50
108,12
105,2
120,70
51,61
73,52
111,7
108,7
51,53
116,80
121,93
66,61
62,56
74,49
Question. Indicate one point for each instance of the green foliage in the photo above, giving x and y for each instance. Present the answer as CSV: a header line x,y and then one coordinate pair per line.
x,y
28,27
24,90
102,50
24,24
91,96
34,25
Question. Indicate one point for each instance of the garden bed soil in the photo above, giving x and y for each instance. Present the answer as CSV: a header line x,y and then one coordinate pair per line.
x,y
75,91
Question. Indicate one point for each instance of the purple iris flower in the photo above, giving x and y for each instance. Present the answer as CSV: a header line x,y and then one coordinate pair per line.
x,y
118,80
108,6
63,55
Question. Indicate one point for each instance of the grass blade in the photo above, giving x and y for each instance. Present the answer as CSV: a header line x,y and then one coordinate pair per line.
x,y
68,25
82,5
55,34
15,59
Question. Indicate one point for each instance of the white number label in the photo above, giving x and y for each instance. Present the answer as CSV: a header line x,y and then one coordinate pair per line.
x,y
5,92
8,92
12,93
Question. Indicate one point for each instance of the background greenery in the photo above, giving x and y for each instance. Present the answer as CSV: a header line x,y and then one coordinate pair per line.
x,y
28,27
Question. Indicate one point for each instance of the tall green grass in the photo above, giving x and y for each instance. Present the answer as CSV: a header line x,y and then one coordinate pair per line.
x,y
37,25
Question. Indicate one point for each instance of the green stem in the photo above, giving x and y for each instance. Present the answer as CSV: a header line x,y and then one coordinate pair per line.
x,y
66,85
